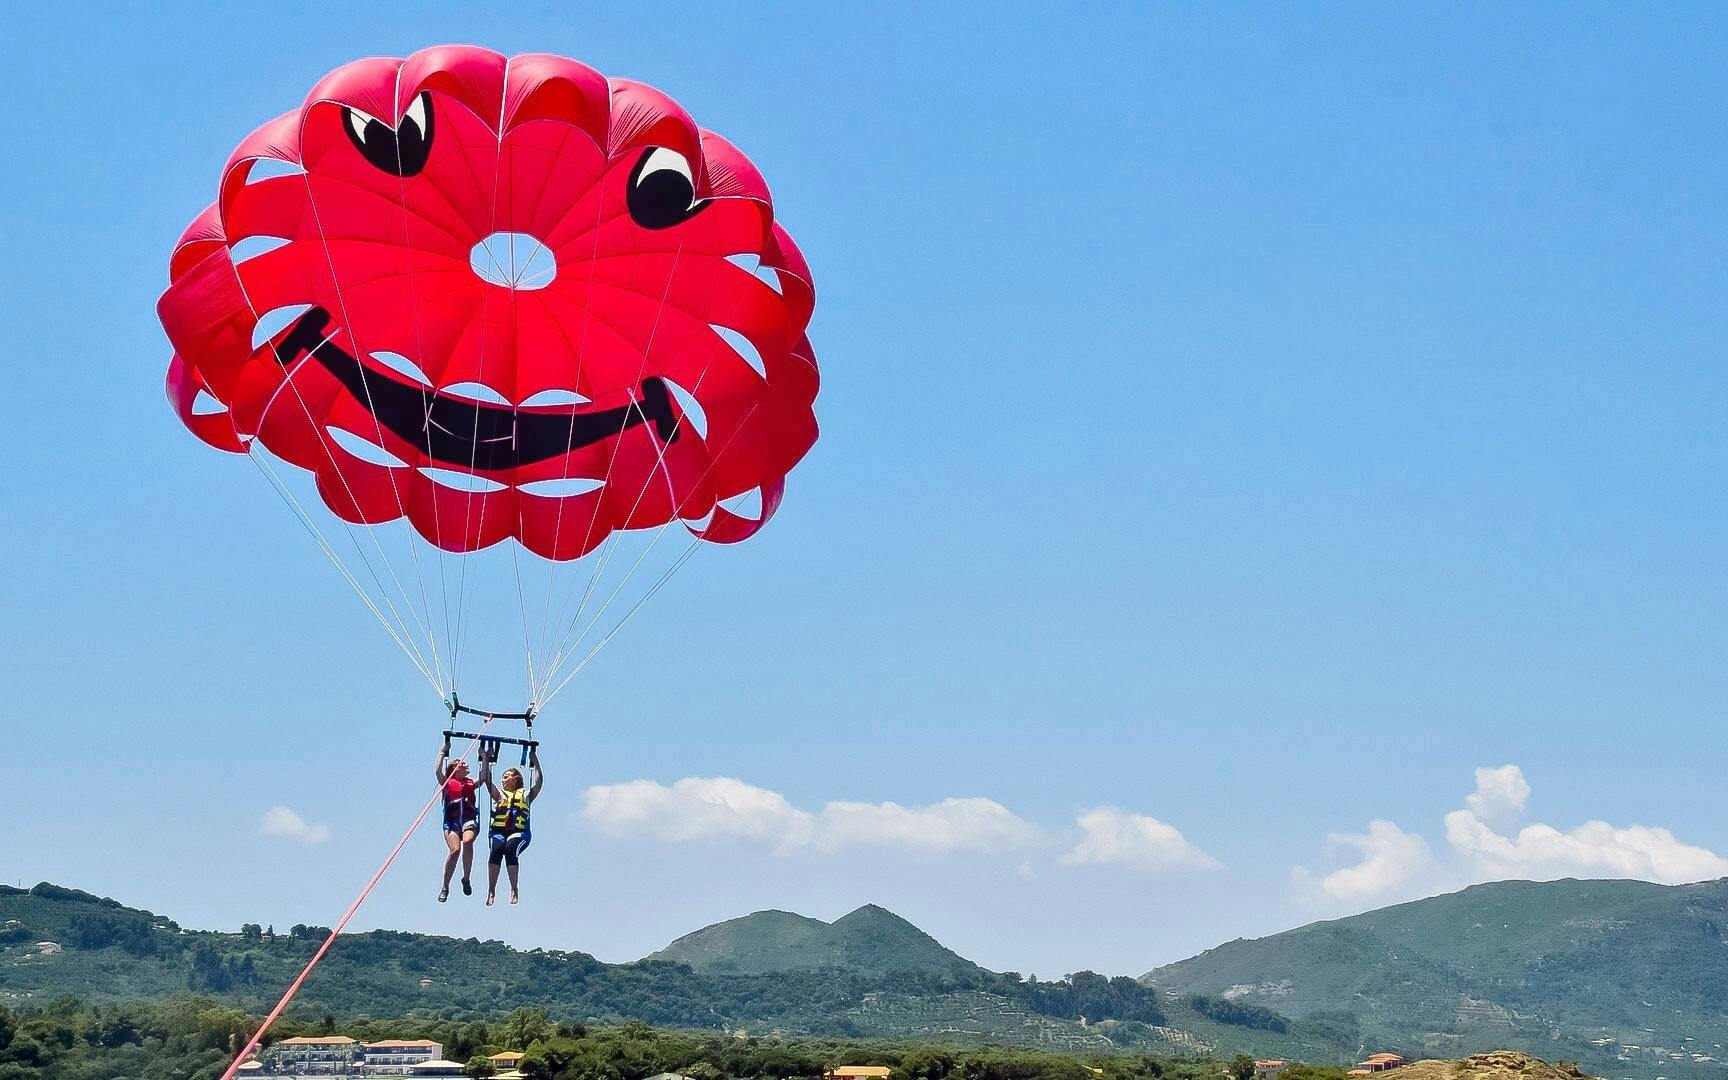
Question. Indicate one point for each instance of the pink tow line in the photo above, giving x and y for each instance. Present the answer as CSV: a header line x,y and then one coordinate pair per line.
x,y
294,987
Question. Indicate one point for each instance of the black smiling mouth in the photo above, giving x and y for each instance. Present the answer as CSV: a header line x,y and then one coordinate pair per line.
x,y
468,434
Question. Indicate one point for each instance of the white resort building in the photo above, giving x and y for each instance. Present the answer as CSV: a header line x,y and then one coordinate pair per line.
x,y
328,1054
397,1057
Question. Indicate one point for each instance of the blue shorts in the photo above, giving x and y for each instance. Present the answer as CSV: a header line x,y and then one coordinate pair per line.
x,y
506,846
459,818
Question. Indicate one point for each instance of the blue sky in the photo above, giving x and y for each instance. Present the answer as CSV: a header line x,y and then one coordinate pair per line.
x,y
1238,423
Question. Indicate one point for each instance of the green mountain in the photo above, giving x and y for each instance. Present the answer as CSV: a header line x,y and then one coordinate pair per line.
x,y
872,976
869,941
1630,977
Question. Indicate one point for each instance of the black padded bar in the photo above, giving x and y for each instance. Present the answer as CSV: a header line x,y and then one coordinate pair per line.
x,y
491,738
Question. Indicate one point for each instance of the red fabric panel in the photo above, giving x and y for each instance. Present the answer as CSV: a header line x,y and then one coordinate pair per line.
x,y
217,429
546,87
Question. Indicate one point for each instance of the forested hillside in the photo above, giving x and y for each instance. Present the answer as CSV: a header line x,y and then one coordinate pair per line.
x,y
1626,978
1627,974
57,941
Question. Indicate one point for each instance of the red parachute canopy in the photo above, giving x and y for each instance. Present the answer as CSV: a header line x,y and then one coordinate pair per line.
x,y
500,298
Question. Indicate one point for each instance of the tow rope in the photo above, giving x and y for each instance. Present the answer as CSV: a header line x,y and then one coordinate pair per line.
x,y
335,931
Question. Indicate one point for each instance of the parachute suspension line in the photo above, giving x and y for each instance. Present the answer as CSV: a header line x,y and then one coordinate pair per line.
x,y
406,639
443,554
676,565
479,528
631,614
422,622
312,530
515,552
383,593
613,540
522,609
563,652
342,923
625,580
672,493
606,546
419,358
600,499
348,527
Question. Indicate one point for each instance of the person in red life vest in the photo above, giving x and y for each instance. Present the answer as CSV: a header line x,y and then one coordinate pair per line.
x,y
461,819
509,823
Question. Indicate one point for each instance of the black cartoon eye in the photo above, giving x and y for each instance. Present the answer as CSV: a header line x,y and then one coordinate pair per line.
x,y
662,190
401,152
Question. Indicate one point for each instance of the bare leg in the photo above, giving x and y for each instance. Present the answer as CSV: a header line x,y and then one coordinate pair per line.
x,y
511,869
467,862
452,842
491,883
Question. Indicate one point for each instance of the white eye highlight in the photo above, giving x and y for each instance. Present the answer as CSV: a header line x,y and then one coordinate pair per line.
x,y
662,190
357,121
662,159
416,115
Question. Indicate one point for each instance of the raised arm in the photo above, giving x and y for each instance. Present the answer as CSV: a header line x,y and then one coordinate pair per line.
x,y
486,779
443,757
534,764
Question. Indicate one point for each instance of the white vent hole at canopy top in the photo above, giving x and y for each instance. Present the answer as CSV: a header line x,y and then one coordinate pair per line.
x,y
513,261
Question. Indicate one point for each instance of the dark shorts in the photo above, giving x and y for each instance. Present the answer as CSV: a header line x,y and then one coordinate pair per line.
x,y
507,846
459,818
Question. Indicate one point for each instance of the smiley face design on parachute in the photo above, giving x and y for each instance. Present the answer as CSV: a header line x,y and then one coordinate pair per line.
x,y
500,298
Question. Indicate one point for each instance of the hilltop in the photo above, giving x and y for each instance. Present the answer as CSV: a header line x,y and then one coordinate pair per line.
x,y
870,941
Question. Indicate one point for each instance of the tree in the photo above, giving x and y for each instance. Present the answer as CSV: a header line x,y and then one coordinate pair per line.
x,y
1242,1067
208,971
925,1063
27,1050
251,932
524,1026
1124,1067
480,1067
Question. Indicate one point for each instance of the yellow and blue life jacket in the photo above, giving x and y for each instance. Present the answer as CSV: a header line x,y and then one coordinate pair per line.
x,y
510,812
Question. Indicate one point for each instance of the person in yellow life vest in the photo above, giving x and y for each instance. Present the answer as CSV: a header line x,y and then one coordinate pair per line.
x,y
509,823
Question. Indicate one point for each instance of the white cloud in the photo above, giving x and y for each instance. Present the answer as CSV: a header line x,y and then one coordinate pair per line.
x,y
1111,835
1391,859
1500,794
281,822
1593,849
708,808
950,825
1482,834
1487,844
698,808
